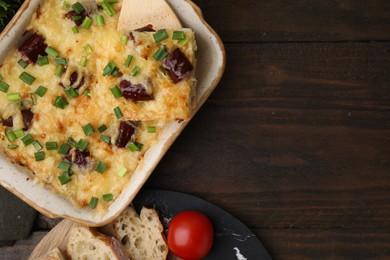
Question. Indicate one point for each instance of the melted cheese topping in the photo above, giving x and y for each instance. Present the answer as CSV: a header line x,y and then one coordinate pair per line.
x,y
52,124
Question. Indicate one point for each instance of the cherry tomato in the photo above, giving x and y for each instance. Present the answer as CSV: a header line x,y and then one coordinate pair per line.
x,y
190,235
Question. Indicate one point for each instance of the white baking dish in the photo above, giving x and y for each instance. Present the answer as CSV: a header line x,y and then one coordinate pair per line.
x,y
210,66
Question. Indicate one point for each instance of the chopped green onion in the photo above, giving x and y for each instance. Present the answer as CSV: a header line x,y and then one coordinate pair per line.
x,y
178,35
122,171
160,54
88,48
100,20
65,5
27,78
128,61
37,145
51,146
116,92
64,178
115,72
39,156
41,90
10,135
151,129
64,149
160,35
185,41
82,145
51,51
118,113
27,139
71,142
70,172
12,147
64,165
135,71
75,30
87,23
88,129
19,132
14,97
109,68
4,87
33,98
134,146
93,202
108,8
124,39
71,92
42,60
76,18
102,128
87,92
60,102
59,70
108,197
22,63
101,167
105,139
61,61
77,7
83,61
112,1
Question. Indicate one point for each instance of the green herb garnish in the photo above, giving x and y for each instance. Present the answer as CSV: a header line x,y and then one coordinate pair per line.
x,y
64,178
101,167
39,156
160,35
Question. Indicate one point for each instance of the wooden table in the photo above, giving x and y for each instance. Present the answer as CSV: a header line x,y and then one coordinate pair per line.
x,y
295,140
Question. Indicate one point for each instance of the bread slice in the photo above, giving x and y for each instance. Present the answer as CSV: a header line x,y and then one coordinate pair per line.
x,y
86,243
141,235
54,254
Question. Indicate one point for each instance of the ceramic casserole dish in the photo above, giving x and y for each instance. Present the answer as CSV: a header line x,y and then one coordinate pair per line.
x,y
210,66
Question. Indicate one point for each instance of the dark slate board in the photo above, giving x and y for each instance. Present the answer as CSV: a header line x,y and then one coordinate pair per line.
x,y
16,218
232,239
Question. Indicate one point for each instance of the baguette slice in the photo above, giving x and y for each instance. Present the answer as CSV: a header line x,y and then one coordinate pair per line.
x,y
86,243
54,254
141,235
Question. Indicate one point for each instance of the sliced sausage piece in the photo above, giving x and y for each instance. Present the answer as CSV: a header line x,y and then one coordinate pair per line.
x,y
177,65
32,47
8,121
73,77
126,131
81,158
77,157
135,92
28,116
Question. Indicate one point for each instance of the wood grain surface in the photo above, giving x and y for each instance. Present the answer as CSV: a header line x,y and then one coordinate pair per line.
x,y
58,237
295,140
301,20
